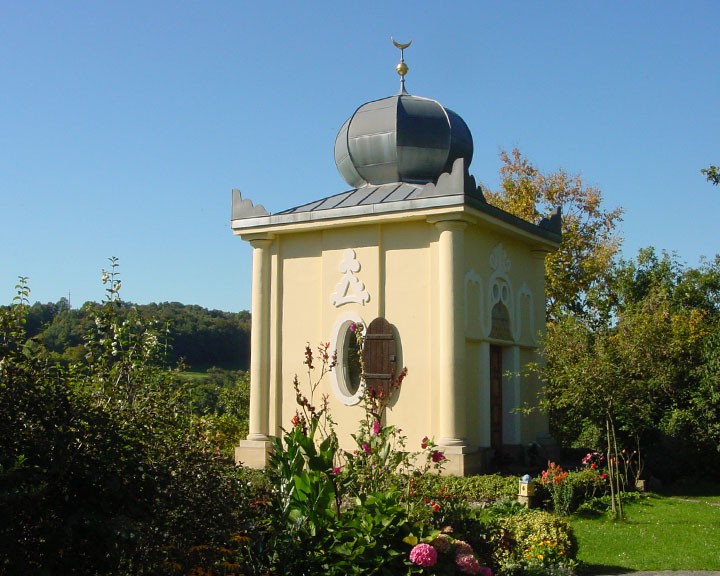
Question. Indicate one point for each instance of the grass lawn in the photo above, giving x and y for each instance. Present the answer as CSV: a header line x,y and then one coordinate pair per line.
x,y
681,532
194,376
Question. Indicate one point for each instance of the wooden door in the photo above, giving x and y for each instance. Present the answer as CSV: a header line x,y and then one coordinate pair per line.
x,y
496,404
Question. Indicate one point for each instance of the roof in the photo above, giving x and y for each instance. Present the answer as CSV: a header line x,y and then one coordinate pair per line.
x,y
454,191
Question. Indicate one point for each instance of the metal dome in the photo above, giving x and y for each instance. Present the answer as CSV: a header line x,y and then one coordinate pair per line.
x,y
401,138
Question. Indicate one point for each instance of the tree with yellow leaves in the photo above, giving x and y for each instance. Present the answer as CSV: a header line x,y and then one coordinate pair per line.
x,y
577,275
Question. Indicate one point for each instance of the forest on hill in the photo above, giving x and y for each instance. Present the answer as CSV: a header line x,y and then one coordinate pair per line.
x,y
197,337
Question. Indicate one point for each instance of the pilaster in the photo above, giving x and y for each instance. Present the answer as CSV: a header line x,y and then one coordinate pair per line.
x,y
260,341
451,354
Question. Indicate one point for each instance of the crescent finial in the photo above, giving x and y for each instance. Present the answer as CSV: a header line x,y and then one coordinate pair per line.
x,y
401,68
399,45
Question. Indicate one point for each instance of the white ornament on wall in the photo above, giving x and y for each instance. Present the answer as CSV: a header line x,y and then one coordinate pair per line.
x,y
526,308
499,260
500,289
350,290
475,319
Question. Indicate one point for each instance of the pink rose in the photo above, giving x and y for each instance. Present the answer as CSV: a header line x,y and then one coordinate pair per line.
x,y
423,555
376,427
438,456
365,448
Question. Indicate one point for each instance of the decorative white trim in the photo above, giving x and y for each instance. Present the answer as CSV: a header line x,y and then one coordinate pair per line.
x,y
472,277
500,289
499,260
339,375
350,290
526,294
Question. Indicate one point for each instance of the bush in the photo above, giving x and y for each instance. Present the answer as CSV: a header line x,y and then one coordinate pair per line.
x,y
533,541
567,491
480,488
103,468
354,512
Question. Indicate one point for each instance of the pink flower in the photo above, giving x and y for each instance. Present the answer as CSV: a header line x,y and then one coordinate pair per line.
x,y
353,327
336,470
424,442
376,427
365,448
462,548
438,456
442,543
485,571
467,563
423,555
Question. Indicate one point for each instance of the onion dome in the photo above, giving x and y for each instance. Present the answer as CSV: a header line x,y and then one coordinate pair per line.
x,y
402,138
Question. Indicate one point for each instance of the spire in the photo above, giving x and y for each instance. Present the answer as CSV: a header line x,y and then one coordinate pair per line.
x,y
402,68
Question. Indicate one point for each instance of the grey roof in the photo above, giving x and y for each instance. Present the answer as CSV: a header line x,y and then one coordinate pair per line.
x,y
452,190
364,196
402,138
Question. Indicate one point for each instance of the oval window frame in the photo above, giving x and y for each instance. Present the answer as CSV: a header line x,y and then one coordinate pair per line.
x,y
341,387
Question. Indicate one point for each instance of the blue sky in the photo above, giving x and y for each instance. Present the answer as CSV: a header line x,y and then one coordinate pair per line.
x,y
125,125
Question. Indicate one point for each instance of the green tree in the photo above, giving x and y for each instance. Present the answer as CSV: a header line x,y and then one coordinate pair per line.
x,y
712,173
640,374
577,275
104,469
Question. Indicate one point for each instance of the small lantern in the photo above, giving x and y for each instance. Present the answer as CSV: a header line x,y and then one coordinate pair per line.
x,y
526,491
527,488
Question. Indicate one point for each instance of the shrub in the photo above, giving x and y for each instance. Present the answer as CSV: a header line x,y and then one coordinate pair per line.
x,y
103,468
569,490
341,512
487,488
533,541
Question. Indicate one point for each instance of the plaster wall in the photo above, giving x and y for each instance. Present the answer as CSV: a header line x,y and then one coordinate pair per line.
x,y
398,269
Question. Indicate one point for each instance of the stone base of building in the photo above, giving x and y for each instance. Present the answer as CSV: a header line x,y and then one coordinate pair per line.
x,y
461,460
465,460
253,453
514,458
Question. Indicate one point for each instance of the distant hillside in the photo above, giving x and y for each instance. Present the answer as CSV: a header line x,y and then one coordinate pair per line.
x,y
201,337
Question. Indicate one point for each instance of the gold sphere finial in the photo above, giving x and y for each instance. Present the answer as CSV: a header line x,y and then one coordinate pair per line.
x,y
401,68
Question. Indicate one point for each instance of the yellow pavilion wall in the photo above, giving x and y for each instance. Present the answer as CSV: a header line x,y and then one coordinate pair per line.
x,y
399,269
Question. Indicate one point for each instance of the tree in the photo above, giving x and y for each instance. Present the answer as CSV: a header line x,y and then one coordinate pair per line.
x,y
104,469
201,338
712,173
649,374
577,275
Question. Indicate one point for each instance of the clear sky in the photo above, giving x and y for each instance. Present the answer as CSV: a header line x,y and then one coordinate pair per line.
x,y
125,125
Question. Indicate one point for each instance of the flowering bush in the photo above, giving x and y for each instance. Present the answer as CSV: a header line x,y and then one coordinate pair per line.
x,y
367,511
342,512
570,490
534,541
424,555
554,479
593,460
446,555
381,458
